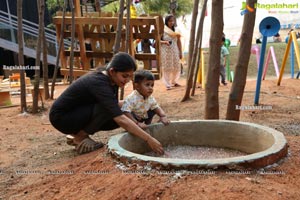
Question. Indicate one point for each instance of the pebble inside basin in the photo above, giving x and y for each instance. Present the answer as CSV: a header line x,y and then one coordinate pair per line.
x,y
264,146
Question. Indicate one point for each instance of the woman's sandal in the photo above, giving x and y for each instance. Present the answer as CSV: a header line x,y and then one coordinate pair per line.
x,y
70,140
88,145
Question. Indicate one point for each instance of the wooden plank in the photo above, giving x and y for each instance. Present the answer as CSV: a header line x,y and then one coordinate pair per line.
x,y
76,72
102,35
99,54
144,35
105,20
91,54
145,56
68,53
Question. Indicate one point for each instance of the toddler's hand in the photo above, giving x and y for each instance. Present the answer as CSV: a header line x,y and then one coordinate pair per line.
x,y
142,125
164,120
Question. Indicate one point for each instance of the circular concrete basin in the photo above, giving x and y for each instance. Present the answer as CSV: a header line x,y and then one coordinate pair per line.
x,y
263,146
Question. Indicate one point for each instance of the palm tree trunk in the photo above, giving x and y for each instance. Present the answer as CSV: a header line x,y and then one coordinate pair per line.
x,y
212,85
240,75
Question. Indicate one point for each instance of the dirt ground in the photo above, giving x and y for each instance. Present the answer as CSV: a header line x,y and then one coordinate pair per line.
x,y
37,164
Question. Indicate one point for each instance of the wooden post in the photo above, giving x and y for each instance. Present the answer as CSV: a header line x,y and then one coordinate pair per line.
x,y
84,60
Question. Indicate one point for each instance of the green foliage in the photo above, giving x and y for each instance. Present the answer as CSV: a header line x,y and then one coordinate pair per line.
x,y
112,7
54,5
161,7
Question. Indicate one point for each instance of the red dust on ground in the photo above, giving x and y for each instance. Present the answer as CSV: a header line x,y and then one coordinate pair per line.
x,y
37,164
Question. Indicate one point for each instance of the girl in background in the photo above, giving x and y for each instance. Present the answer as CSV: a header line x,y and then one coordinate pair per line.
x,y
171,53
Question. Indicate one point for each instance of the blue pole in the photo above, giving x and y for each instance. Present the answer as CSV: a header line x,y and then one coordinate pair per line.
x,y
260,69
292,60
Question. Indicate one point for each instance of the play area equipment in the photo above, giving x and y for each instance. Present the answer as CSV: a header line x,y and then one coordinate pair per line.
x,y
263,146
292,57
229,74
255,49
292,40
15,80
269,26
201,72
271,52
10,85
98,30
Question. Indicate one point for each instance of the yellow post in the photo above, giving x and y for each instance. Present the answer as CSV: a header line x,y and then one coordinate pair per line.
x,y
203,71
199,75
296,48
287,49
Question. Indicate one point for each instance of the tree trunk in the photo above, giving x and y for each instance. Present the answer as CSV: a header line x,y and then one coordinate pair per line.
x,y
35,98
71,75
198,60
127,27
128,40
197,50
212,85
116,47
60,46
240,75
21,56
189,81
45,66
119,28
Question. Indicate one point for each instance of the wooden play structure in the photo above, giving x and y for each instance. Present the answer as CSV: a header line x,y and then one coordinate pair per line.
x,y
95,36
15,80
13,83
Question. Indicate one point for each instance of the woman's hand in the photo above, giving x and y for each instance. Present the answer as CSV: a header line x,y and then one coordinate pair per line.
x,y
166,42
155,145
134,129
180,56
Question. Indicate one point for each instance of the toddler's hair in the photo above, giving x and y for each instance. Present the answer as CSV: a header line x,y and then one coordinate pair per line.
x,y
141,75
